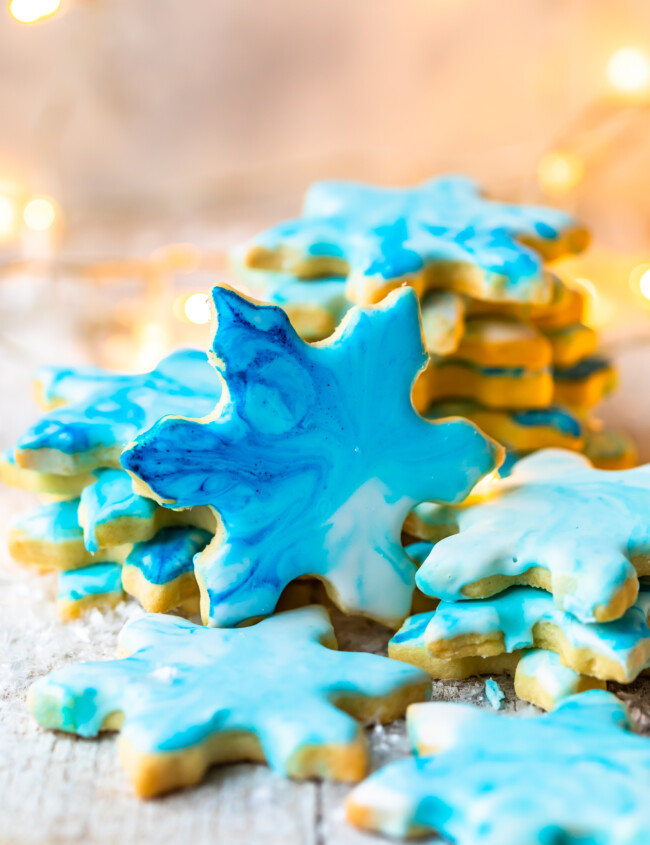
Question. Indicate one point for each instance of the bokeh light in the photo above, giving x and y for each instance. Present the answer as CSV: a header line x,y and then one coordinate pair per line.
x,y
197,308
559,172
39,214
628,70
644,284
30,11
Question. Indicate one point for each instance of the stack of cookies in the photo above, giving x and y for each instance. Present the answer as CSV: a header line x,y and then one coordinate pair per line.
x,y
507,345
217,483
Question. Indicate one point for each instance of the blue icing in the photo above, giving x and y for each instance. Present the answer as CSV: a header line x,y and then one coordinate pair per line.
x,y
169,554
576,775
301,460
494,694
99,579
55,522
556,680
419,552
625,641
585,526
551,417
184,683
110,416
389,233
583,369
111,498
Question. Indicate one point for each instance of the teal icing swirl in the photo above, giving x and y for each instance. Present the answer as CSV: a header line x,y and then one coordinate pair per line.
x,y
184,683
169,554
100,579
383,234
312,459
575,775
109,416
110,499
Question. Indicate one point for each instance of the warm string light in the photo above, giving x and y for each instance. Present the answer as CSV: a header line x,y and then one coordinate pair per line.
x,y
31,11
628,71
7,218
39,214
640,283
559,172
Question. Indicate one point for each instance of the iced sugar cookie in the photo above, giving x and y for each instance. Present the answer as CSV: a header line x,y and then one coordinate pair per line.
x,y
519,431
40,482
493,387
543,680
584,384
301,461
187,697
160,571
523,617
111,513
96,586
442,234
556,523
571,344
574,775
443,321
608,449
91,431
505,343
49,537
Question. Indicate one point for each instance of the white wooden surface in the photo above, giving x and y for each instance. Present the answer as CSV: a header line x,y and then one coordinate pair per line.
x,y
55,788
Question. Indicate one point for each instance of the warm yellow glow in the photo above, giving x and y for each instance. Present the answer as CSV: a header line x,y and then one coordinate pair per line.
x,y
559,172
30,11
197,308
644,284
599,309
7,217
39,214
183,257
628,70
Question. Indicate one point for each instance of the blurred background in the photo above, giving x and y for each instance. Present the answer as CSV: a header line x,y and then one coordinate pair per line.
x,y
141,138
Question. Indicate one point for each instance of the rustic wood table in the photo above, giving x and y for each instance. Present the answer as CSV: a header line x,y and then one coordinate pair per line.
x,y
55,788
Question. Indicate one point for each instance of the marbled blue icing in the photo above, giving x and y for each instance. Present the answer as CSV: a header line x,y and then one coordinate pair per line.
x,y
54,522
583,369
554,511
625,641
169,554
313,459
121,406
494,694
576,775
184,683
419,552
387,233
98,579
109,499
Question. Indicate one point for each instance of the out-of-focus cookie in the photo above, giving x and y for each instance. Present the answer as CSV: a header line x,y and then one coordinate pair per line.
x,y
45,483
477,773
609,449
96,586
187,697
583,385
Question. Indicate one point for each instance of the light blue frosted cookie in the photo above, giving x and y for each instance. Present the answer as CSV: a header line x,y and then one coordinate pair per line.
x,y
160,571
50,537
556,523
96,586
542,679
46,483
188,697
441,234
523,618
92,428
312,459
576,775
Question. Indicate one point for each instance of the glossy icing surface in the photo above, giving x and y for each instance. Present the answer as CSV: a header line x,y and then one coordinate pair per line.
x,y
169,554
110,498
556,512
515,613
183,683
302,461
384,234
122,405
54,522
98,579
574,775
